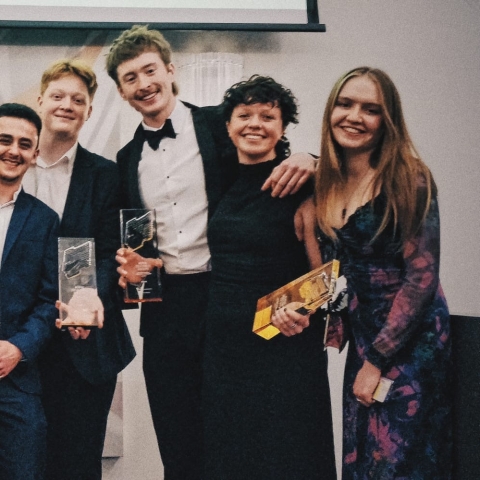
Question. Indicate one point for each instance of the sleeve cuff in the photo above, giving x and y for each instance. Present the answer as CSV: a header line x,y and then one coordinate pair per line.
x,y
376,358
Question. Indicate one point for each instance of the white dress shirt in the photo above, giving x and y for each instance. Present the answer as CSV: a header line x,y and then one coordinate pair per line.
x,y
50,183
172,182
6,211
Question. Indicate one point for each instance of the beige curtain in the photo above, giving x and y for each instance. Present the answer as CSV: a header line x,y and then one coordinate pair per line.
x,y
204,77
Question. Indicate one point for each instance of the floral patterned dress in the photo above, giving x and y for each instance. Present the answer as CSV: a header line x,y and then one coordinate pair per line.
x,y
398,320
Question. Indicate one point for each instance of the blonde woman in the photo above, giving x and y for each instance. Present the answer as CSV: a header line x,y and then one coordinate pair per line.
x,y
377,212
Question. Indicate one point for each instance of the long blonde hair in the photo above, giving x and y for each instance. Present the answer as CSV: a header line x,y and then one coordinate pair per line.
x,y
398,167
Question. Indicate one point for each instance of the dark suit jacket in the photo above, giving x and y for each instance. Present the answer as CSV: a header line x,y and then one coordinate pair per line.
x,y
28,285
220,163
92,211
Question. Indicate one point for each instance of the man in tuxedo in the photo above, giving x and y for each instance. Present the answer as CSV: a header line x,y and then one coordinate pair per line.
x,y
181,174
79,368
28,279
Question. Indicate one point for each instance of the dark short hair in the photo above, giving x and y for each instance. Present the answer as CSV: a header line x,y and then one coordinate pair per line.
x,y
18,110
259,89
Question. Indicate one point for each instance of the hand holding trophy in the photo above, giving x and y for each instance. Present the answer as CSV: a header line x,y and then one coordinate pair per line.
x,y
302,296
133,267
79,306
138,258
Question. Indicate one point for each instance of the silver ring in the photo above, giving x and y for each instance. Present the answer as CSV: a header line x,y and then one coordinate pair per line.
x,y
358,400
293,325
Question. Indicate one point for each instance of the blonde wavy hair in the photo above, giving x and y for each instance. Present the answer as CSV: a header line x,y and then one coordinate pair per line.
x,y
132,43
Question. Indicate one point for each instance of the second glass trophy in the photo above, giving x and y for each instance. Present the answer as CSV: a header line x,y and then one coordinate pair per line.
x,y
77,283
139,238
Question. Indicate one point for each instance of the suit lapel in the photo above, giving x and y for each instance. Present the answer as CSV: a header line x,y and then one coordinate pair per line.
x,y
208,153
132,169
21,211
80,185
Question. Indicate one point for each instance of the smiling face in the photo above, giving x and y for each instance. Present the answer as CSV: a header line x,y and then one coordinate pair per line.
x,y
356,119
146,83
18,149
65,106
255,130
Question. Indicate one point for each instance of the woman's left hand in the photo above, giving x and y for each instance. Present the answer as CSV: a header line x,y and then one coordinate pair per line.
x,y
366,382
290,322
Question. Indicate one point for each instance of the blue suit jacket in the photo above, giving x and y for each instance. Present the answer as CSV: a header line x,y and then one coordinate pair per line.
x,y
92,211
28,285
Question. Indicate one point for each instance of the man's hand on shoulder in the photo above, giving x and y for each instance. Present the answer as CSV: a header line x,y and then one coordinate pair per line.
x,y
288,177
10,355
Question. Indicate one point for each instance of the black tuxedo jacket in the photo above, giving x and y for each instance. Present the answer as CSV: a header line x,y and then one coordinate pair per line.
x,y
220,166
92,210
220,163
28,285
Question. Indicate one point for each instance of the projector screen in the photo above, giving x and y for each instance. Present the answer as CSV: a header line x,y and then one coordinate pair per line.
x,y
188,14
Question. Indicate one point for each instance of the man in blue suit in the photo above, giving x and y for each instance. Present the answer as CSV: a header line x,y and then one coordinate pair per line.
x,y
28,279
79,367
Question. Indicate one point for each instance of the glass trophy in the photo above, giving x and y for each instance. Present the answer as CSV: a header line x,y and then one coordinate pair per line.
x,y
77,283
139,237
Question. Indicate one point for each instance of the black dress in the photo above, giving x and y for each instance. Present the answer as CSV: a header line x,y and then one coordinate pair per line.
x,y
266,402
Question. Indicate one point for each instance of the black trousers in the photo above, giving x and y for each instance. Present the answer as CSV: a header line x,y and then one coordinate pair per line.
x,y
173,332
76,413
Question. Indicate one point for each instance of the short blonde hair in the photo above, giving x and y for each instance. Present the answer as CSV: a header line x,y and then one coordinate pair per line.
x,y
62,68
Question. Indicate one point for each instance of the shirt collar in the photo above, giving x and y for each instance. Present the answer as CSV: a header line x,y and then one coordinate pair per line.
x,y
68,158
11,202
177,117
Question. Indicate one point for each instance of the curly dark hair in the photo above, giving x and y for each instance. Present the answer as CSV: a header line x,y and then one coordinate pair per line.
x,y
261,89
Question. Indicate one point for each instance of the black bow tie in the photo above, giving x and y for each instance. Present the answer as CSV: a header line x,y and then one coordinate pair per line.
x,y
153,137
